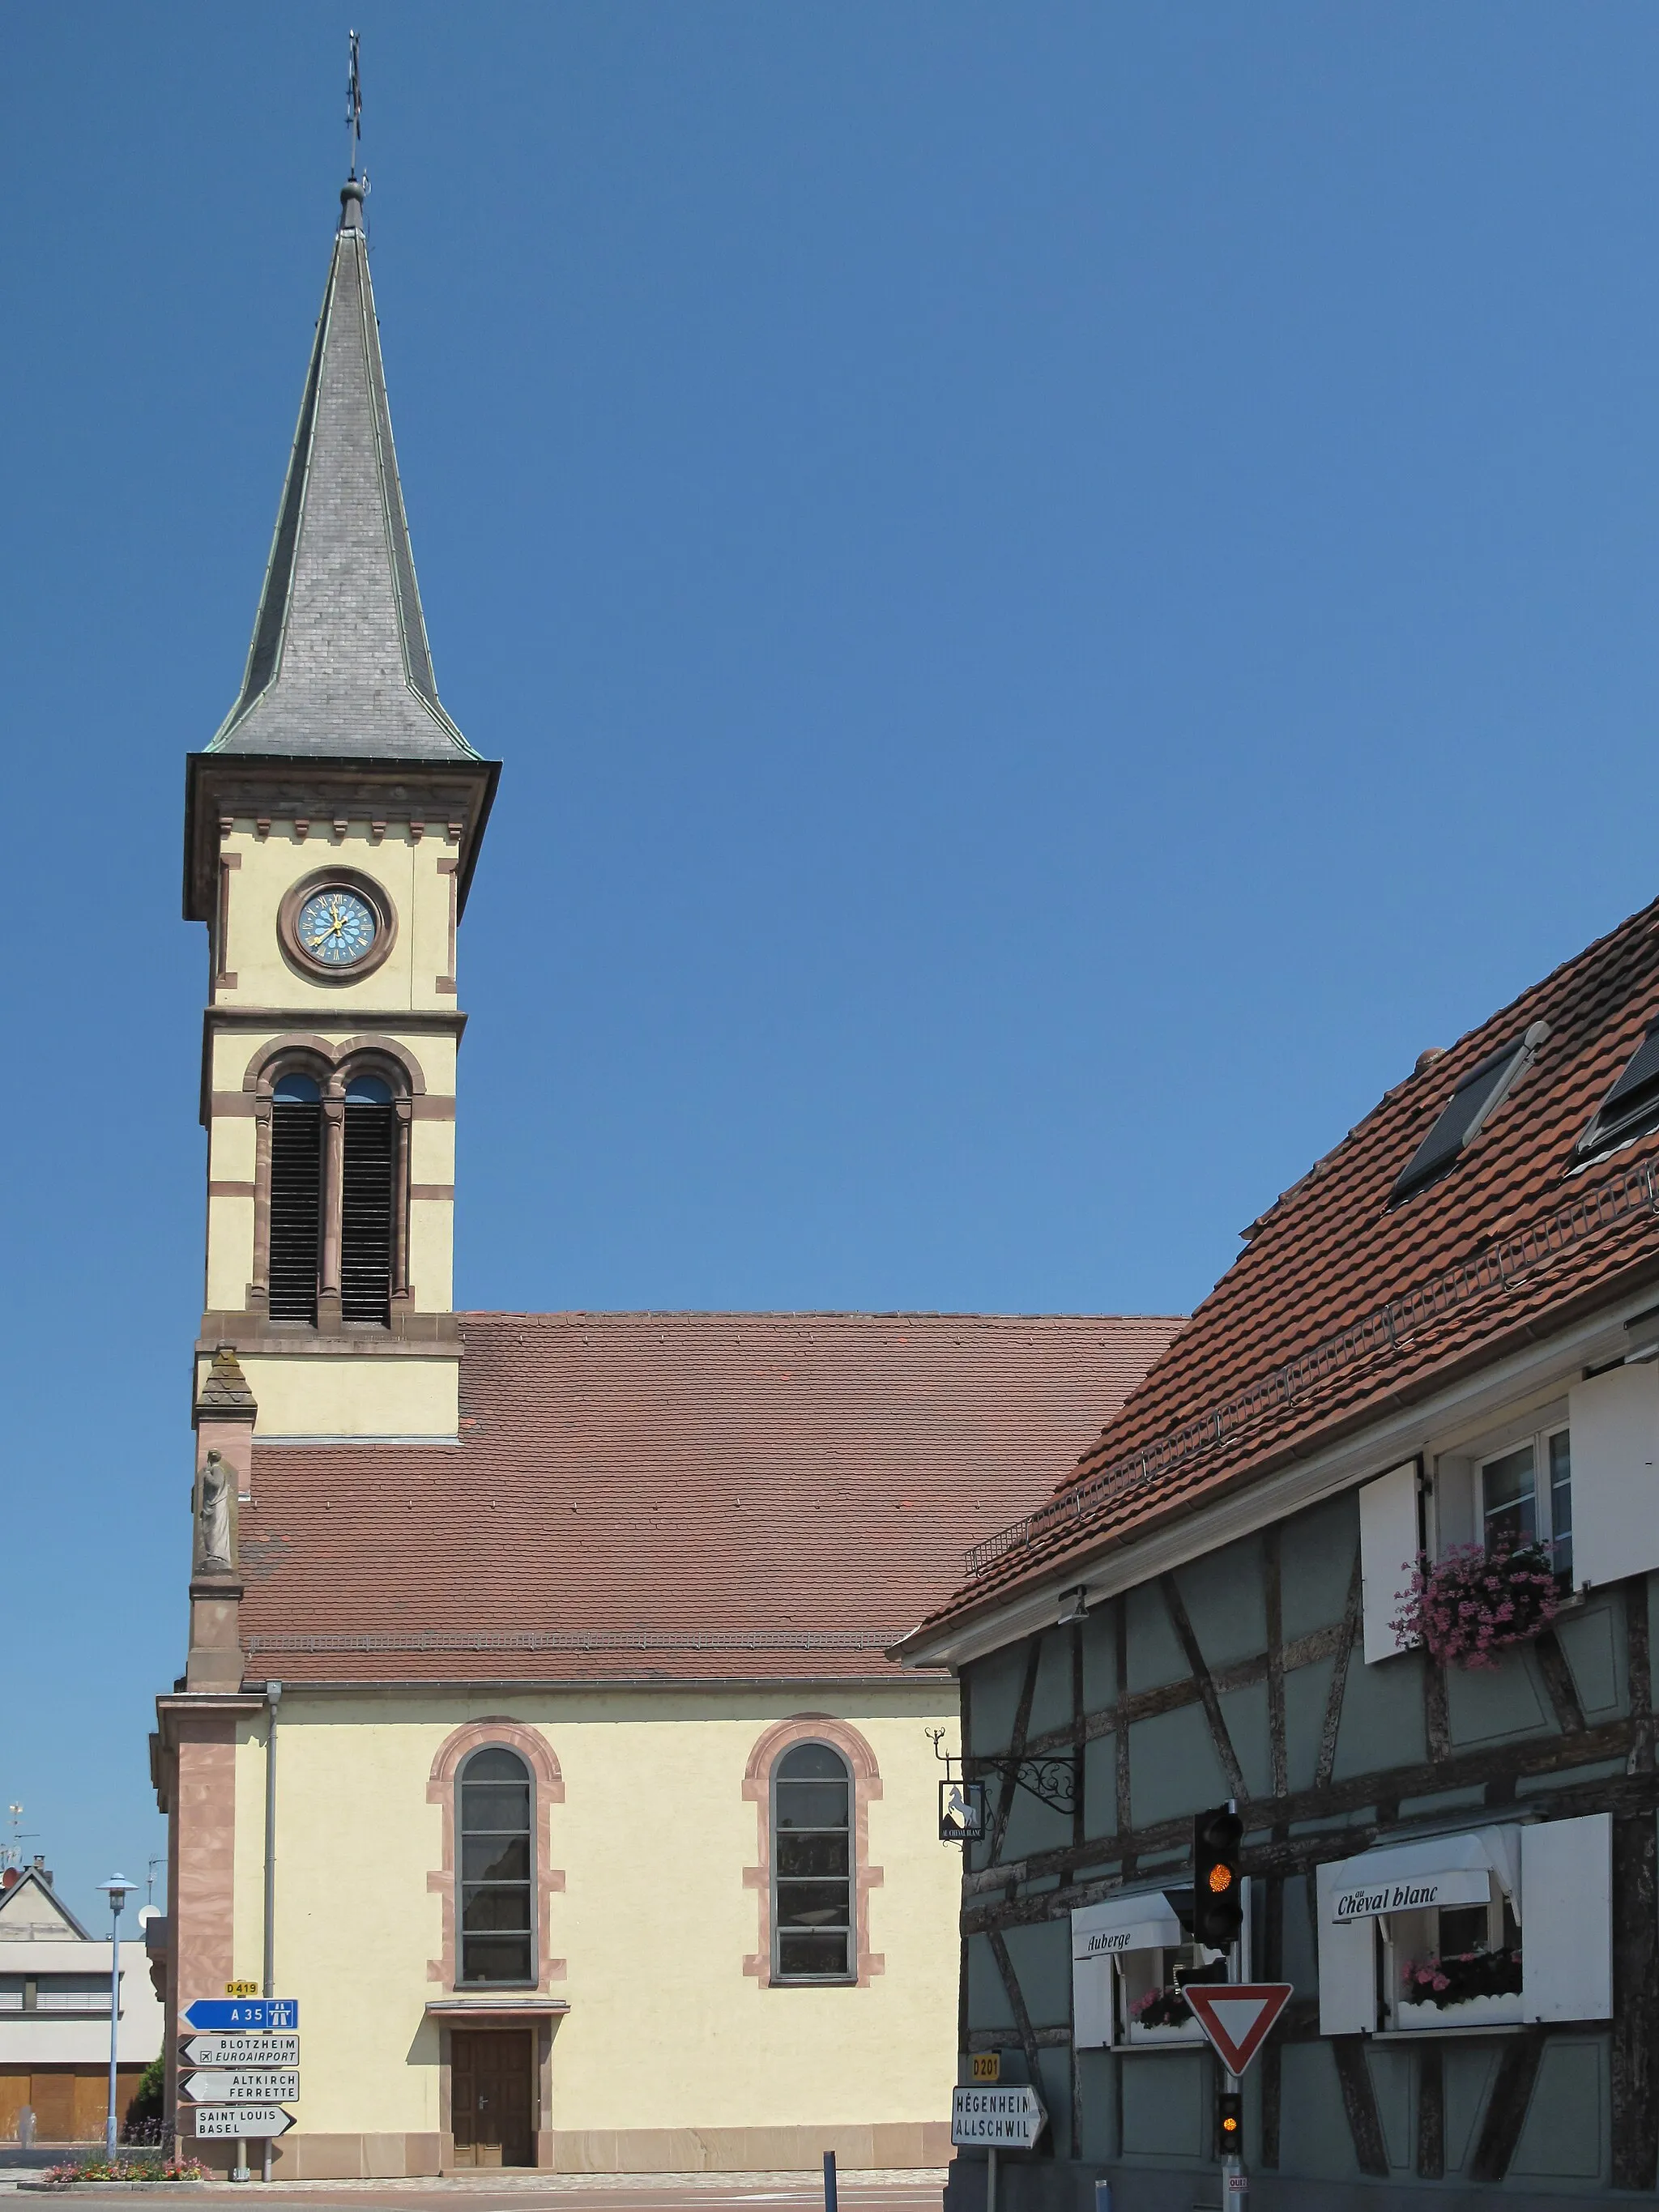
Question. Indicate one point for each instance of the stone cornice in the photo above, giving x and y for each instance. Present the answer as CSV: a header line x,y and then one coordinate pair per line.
x,y
450,799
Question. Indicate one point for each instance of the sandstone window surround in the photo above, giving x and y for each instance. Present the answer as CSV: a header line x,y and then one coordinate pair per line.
x,y
444,1784
761,1776
334,1120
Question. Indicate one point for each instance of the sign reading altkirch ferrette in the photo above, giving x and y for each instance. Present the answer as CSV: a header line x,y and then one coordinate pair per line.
x,y
1012,2117
241,2085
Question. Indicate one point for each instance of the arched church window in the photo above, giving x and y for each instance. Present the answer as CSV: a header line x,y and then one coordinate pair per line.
x,y
496,1931
296,1196
811,1866
366,1201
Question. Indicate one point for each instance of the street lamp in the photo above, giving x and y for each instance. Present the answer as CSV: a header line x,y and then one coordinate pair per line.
x,y
117,1889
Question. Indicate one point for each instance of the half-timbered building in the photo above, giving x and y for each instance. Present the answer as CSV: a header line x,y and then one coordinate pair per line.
x,y
1437,1354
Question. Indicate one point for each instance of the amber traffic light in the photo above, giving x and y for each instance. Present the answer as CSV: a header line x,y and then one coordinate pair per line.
x,y
1218,1899
1230,2122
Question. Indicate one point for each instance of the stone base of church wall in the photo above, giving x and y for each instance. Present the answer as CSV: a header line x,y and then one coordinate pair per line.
x,y
892,2146
353,2158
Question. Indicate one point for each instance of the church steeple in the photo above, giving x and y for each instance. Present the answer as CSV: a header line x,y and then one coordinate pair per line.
x,y
331,829
339,667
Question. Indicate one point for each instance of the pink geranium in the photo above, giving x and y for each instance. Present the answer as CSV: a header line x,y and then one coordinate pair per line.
x,y
1470,1604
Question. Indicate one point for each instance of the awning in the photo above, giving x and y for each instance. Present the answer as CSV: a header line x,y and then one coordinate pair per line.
x,y
495,2012
1144,1922
1412,1877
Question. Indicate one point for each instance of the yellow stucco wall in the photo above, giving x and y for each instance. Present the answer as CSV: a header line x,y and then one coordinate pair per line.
x,y
409,871
665,2030
377,1394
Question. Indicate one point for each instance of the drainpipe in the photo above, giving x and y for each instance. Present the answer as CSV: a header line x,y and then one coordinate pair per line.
x,y
273,1699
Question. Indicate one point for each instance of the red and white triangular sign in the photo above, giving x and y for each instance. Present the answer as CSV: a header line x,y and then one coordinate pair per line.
x,y
1237,2016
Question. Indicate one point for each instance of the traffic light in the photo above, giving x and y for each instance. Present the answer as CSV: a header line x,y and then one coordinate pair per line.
x,y
1218,1899
1230,2123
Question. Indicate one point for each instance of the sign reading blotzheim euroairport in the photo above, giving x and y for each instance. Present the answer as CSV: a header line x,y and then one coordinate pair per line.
x,y
1013,2116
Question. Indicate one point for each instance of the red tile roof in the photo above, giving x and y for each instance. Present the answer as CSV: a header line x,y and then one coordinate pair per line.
x,y
1338,1304
673,1497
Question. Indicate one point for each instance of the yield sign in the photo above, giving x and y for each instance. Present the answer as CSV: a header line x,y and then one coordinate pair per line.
x,y
1237,2016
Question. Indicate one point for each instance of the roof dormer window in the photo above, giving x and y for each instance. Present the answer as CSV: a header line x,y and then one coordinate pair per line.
x,y
1461,1119
1630,1109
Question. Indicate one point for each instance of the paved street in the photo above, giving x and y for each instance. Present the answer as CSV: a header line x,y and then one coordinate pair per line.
x,y
541,2192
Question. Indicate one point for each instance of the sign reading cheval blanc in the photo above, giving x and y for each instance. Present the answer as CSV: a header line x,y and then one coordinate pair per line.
x,y
1366,1900
1014,2117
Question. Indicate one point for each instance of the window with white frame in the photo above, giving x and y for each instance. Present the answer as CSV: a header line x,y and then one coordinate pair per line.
x,y
1494,1927
1524,1497
1131,1960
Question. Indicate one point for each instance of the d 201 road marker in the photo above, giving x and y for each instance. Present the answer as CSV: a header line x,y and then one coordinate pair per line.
x,y
1237,2016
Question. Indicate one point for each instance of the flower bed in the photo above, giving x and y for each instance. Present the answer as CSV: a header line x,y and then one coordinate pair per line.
x,y
1471,1604
124,2169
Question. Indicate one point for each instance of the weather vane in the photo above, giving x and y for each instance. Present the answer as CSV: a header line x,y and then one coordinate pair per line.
x,y
355,106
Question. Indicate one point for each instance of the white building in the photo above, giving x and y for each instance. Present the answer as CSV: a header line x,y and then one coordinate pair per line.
x,y
54,2014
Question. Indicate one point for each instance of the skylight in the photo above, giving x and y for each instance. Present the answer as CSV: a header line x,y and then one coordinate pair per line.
x,y
1461,1119
1631,1107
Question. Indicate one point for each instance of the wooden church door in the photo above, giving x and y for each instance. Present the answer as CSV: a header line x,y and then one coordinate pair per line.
x,y
489,2096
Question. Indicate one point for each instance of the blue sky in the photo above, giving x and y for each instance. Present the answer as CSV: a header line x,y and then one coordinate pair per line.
x,y
1062,589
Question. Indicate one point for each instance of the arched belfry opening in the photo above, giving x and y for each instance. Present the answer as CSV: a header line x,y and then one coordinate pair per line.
x,y
367,1200
296,1196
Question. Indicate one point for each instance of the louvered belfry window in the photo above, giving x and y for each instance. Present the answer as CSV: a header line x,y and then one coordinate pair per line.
x,y
296,1197
367,1202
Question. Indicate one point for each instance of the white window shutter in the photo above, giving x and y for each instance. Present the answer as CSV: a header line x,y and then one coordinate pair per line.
x,y
1615,1482
1091,2003
1389,1541
1566,1919
1347,1965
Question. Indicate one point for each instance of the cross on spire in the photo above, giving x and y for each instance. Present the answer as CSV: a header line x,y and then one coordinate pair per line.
x,y
354,106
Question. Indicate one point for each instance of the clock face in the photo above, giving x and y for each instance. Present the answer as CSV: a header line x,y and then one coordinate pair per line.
x,y
336,928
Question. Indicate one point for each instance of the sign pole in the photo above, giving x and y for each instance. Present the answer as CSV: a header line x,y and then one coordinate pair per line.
x,y
991,2179
1235,2179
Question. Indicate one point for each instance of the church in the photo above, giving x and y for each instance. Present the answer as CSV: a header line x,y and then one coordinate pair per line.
x,y
536,1737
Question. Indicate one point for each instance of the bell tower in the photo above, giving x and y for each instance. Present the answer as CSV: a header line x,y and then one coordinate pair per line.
x,y
332,828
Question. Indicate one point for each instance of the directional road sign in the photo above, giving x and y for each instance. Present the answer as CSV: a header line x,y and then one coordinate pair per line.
x,y
241,2050
1012,2115
241,2085
1237,2016
240,2120
243,2013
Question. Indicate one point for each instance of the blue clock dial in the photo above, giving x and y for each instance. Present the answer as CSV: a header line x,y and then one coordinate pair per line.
x,y
338,927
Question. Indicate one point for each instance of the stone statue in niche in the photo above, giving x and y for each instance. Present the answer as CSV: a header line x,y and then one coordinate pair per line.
x,y
213,1537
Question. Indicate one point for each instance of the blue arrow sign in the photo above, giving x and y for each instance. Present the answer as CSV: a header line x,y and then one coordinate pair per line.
x,y
245,2012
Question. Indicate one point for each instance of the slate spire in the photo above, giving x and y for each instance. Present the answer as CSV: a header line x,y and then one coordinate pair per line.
x,y
339,667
